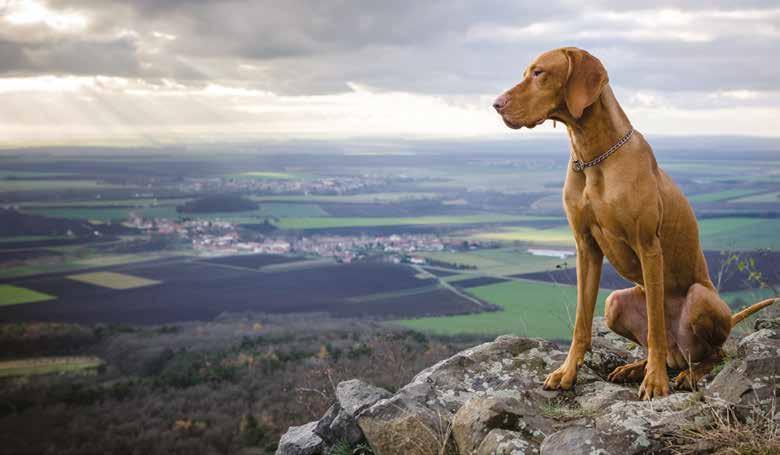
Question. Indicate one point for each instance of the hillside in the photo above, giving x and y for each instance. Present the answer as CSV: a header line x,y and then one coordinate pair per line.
x,y
488,400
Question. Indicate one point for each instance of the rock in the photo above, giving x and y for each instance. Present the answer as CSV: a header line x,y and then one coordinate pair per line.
x,y
752,377
505,442
300,440
763,343
764,323
628,428
403,426
337,425
745,382
575,440
605,356
416,418
478,416
600,395
489,400
355,395
603,337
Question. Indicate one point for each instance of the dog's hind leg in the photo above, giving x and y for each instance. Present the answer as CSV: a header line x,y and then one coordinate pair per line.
x,y
690,377
626,315
704,325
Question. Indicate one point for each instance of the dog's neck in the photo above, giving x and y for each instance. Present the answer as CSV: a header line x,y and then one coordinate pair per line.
x,y
601,125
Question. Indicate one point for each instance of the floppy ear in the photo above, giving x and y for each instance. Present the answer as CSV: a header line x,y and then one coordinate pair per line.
x,y
587,78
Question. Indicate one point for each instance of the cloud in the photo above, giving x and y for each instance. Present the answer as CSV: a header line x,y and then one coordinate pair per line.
x,y
243,65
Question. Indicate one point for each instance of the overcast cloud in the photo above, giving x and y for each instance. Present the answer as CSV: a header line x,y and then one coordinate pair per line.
x,y
173,69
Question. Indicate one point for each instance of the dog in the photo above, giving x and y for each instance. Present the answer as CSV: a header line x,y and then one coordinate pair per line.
x,y
621,205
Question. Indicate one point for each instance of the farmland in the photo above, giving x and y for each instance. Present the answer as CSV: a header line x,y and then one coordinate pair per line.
x,y
13,295
115,242
183,289
318,223
112,280
528,308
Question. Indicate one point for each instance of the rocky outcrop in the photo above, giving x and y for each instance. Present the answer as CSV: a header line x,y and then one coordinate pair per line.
x,y
753,376
301,440
489,400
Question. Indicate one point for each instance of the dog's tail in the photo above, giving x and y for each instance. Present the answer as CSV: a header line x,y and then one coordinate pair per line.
x,y
738,317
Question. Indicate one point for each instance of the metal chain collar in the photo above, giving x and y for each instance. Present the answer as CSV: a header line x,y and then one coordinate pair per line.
x,y
580,166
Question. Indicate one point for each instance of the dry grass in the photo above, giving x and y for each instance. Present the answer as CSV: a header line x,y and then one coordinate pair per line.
x,y
436,440
561,411
726,434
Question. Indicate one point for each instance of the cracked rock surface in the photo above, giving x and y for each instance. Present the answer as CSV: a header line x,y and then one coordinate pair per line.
x,y
489,400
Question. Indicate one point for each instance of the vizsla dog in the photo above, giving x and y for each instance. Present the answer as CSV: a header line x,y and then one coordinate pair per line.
x,y
621,205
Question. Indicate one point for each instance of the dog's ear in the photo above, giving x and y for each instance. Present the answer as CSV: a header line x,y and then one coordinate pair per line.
x,y
586,79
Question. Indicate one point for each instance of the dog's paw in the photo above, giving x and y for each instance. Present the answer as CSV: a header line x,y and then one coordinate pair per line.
x,y
655,384
686,381
563,378
633,372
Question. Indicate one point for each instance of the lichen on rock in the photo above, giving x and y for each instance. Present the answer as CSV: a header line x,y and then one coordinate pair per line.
x,y
488,400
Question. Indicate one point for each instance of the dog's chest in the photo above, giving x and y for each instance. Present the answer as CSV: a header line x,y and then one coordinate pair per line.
x,y
599,215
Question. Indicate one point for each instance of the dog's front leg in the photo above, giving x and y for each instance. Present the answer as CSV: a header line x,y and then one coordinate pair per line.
x,y
589,263
656,382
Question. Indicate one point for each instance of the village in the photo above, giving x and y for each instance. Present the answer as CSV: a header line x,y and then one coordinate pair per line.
x,y
221,238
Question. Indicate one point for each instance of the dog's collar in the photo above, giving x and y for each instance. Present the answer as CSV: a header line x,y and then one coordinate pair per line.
x,y
579,166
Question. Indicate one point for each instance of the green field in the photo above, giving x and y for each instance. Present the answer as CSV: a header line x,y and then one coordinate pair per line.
x,y
30,238
759,198
140,202
14,295
24,174
721,195
348,198
529,308
740,233
555,236
498,261
316,223
732,233
53,185
48,365
266,175
104,214
747,297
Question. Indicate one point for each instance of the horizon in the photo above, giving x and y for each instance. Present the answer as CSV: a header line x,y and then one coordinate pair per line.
x,y
94,73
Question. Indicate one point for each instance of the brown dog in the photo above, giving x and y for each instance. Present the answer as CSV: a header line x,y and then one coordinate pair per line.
x,y
622,205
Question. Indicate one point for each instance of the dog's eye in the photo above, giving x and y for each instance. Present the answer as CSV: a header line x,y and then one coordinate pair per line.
x,y
537,73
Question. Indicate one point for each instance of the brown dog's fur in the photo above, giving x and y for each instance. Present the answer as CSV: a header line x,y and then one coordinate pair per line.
x,y
630,211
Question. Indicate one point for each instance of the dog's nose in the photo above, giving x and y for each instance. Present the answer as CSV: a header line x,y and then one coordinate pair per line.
x,y
500,102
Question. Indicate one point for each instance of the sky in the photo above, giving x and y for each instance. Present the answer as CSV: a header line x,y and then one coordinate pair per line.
x,y
151,71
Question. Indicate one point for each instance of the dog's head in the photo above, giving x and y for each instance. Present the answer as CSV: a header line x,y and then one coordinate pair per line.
x,y
565,81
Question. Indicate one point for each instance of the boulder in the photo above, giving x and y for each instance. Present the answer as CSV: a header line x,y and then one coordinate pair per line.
x,y
400,425
336,426
505,442
600,395
300,440
355,395
575,440
767,323
489,400
633,427
480,415
339,424
752,377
